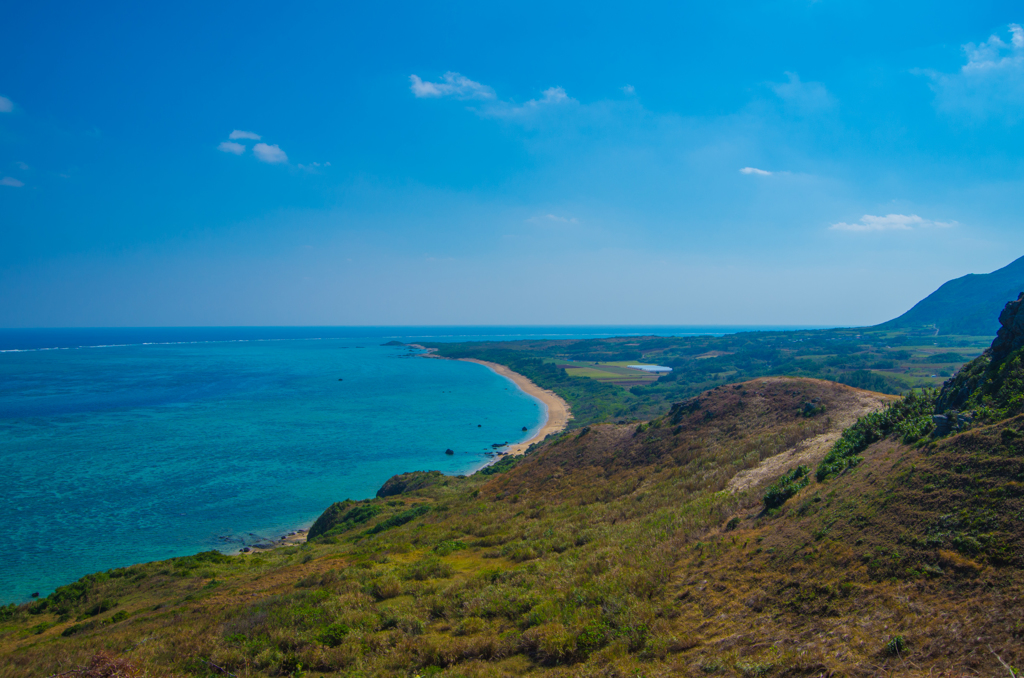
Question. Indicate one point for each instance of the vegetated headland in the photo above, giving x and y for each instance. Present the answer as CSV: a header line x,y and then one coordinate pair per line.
x,y
728,519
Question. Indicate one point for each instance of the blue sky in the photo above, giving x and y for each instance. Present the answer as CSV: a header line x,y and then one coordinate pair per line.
x,y
782,162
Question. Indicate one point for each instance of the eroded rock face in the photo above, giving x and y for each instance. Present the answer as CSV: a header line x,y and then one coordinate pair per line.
x,y
1011,334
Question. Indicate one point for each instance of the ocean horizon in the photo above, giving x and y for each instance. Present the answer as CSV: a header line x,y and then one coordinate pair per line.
x,y
127,445
33,338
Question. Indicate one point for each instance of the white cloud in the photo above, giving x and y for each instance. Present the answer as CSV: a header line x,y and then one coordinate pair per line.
x,y
231,147
803,97
6,105
461,87
240,134
754,170
628,89
270,153
21,165
553,96
890,222
989,85
313,166
452,84
11,181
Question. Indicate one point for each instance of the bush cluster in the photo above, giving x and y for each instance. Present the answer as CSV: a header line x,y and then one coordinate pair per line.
x,y
902,417
785,487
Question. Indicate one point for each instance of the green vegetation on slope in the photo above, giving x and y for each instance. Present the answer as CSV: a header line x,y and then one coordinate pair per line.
x,y
609,550
909,418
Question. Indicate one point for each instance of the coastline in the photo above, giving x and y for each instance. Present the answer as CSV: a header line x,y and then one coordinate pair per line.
x,y
556,418
556,410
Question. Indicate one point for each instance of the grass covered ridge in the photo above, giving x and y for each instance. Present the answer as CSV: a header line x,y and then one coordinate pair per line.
x,y
610,550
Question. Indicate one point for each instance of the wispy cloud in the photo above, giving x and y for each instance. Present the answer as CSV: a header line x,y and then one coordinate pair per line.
x,y
553,96
313,166
553,217
803,97
628,89
890,222
11,181
241,134
21,165
460,87
452,85
6,105
231,147
754,170
989,85
270,153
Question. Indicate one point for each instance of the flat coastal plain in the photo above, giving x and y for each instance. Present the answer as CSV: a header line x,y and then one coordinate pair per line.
x,y
558,414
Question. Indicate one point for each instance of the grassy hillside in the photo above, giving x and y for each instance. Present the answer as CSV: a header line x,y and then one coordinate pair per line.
x,y
612,550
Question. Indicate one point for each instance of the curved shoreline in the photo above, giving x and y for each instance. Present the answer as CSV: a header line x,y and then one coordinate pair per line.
x,y
556,418
556,410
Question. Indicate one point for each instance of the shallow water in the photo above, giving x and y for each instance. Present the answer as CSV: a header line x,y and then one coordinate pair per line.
x,y
113,456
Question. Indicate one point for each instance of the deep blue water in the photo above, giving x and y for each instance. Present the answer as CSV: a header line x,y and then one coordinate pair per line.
x,y
120,446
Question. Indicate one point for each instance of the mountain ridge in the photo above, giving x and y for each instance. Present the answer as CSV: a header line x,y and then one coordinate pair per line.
x,y
967,305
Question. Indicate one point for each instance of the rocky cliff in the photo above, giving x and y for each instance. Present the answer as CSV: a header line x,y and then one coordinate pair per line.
x,y
1011,333
994,381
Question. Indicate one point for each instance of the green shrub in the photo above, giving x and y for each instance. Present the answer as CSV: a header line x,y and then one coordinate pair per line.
x,y
40,628
873,427
103,606
501,466
785,487
79,628
9,612
386,587
896,646
341,517
429,568
913,429
399,519
333,635
449,547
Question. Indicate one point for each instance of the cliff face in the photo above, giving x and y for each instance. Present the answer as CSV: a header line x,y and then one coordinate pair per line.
x,y
1011,335
995,379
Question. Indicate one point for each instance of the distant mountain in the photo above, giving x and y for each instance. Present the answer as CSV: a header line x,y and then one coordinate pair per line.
x,y
967,305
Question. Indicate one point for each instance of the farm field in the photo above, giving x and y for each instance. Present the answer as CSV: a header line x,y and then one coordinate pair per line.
x,y
611,372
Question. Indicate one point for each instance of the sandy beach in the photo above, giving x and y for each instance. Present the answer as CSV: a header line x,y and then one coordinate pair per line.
x,y
557,410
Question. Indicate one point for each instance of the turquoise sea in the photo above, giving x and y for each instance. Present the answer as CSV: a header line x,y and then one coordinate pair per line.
x,y
120,446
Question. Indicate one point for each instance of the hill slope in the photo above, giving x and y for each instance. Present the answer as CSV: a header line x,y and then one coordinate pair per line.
x,y
967,305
